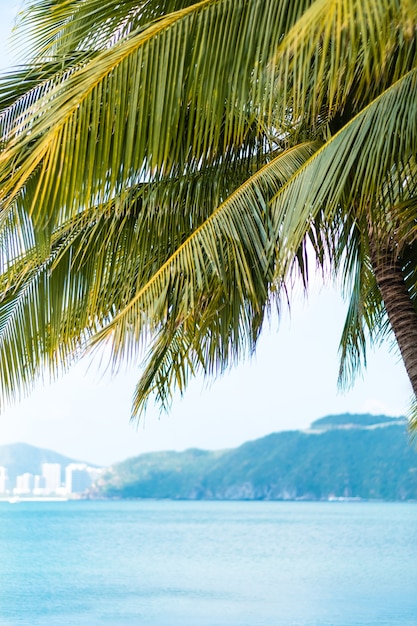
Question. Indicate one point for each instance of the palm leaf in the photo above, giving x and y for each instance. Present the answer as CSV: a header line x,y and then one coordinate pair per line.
x,y
342,54
115,134
225,262
353,167
97,264
144,106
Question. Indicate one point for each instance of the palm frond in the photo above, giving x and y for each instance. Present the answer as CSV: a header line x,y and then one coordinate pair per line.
x,y
141,195
216,334
228,257
157,99
353,167
96,265
342,54
366,320
412,421
60,29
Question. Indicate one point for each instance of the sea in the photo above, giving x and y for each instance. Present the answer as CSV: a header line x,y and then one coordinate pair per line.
x,y
201,563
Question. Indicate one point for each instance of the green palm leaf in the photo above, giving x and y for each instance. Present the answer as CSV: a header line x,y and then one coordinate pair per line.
x,y
352,167
155,184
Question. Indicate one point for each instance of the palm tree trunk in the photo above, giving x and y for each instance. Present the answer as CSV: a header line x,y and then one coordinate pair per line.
x,y
400,309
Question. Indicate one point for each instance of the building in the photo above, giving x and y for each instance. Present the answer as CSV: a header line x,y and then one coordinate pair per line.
x,y
24,484
39,485
39,482
4,479
51,472
77,478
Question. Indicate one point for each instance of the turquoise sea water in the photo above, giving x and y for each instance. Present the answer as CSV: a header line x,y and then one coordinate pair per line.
x,y
151,563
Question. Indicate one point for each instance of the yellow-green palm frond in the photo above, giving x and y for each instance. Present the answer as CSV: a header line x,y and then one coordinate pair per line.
x,y
175,94
61,29
352,167
341,54
217,333
228,259
363,177
366,320
147,191
412,421
128,276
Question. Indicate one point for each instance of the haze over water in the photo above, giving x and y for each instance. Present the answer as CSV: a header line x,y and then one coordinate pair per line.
x,y
164,563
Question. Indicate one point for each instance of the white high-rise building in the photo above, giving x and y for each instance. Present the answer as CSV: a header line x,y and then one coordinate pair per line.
x,y
39,482
38,485
51,472
4,479
24,484
77,478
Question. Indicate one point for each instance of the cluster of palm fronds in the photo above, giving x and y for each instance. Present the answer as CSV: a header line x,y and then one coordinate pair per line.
x,y
166,165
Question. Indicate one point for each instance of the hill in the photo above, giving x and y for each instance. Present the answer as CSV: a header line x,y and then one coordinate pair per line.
x,y
364,420
349,456
21,457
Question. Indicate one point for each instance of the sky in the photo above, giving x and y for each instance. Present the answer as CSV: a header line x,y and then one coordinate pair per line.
x,y
290,382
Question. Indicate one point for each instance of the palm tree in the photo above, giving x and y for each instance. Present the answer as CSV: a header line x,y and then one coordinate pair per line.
x,y
166,167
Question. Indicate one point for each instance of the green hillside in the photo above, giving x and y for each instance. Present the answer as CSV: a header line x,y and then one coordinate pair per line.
x,y
359,421
348,456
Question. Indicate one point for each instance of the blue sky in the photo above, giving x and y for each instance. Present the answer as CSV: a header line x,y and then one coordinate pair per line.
x,y
291,381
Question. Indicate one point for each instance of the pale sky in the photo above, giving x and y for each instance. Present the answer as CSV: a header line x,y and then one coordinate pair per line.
x,y
291,381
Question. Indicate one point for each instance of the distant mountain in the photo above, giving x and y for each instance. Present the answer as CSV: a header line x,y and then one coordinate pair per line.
x,y
343,456
21,457
364,420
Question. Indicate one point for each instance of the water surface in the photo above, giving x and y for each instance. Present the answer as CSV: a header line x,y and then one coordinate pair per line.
x,y
163,563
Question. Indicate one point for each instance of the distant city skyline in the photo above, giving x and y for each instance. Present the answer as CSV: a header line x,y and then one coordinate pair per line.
x,y
290,382
78,479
